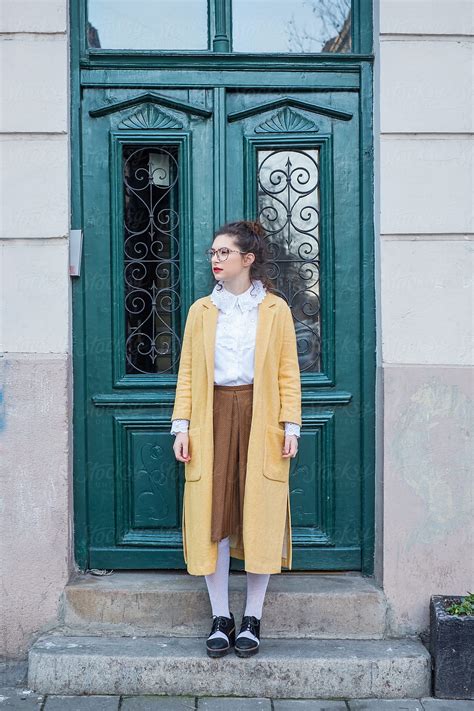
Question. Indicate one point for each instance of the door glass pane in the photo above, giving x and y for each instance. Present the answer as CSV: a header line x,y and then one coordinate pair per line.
x,y
151,228
296,26
289,210
147,24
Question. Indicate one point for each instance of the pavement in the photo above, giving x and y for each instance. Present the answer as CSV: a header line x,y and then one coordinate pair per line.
x,y
18,697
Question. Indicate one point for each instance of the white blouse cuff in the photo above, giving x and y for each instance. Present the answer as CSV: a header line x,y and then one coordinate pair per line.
x,y
182,426
291,428
179,426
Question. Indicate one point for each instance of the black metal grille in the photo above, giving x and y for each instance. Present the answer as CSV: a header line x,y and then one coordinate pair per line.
x,y
289,210
151,258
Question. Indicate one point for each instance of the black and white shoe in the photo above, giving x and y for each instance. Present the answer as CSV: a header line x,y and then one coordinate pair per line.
x,y
218,646
244,646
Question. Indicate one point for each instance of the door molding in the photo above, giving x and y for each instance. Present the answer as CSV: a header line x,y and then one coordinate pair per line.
x,y
150,97
290,101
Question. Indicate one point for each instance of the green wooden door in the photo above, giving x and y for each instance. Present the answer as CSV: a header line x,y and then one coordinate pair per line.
x,y
160,170
293,160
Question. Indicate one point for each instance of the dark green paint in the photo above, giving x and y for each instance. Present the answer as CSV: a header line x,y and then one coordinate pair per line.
x,y
117,415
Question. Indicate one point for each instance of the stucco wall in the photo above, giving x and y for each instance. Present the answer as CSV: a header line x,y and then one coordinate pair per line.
x,y
425,281
35,495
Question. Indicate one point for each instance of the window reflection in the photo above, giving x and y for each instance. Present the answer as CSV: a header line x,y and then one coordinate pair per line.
x,y
147,24
296,26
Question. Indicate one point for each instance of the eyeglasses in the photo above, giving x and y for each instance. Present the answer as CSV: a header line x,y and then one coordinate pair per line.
x,y
222,253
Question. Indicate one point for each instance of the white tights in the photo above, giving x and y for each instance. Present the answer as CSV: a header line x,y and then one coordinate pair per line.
x,y
218,587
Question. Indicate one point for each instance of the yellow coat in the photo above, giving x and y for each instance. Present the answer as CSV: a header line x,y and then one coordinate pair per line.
x,y
276,398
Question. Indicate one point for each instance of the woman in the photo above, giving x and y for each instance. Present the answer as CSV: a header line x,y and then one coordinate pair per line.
x,y
237,417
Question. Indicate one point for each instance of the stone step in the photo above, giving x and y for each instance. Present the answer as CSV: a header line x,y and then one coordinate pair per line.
x,y
307,606
290,668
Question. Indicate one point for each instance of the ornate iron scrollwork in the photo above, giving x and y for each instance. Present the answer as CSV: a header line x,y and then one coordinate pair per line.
x,y
289,210
151,258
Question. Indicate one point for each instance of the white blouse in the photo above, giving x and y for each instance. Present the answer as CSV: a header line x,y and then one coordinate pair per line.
x,y
235,341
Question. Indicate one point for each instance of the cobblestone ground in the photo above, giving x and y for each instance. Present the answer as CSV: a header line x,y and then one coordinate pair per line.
x,y
20,697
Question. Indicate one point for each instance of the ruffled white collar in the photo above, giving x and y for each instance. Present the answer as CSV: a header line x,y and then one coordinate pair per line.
x,y
226,301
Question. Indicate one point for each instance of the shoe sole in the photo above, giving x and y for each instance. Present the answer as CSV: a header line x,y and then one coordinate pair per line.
x,y
217,652
246,652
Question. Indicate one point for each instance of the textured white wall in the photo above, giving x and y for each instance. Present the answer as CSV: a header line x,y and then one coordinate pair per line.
x,y
35,493
426,230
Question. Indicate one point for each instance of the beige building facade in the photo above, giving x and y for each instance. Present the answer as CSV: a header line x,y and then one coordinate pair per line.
x,y
423,221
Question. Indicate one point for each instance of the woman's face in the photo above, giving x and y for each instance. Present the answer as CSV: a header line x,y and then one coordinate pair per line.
x,y
234,264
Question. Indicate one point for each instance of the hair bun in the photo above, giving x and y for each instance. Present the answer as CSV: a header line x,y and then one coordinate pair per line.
x,y
256,227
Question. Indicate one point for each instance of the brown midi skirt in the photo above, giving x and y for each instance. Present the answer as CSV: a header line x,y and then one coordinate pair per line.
x,y
232,421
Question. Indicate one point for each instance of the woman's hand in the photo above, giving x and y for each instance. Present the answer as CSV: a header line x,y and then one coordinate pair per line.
x,y
290,448
180,447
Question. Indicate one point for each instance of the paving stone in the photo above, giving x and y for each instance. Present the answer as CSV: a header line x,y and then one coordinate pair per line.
x,y
19,697
158,703
14,673
308,705
81,703
432,704
220,703
385,705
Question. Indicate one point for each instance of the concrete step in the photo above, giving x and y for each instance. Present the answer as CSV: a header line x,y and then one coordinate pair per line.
x,y
290,668
303,606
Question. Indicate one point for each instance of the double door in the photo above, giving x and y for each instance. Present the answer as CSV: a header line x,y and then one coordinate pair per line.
x,y
161,170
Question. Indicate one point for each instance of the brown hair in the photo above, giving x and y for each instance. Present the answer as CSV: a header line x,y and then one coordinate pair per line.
x,y
249,236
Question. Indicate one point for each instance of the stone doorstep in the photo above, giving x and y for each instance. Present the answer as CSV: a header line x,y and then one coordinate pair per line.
x,y
339,606
395,668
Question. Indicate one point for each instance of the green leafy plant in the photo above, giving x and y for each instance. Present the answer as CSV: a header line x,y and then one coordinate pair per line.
x,y
465,607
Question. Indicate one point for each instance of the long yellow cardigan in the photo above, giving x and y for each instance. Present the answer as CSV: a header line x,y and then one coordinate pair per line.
x,y
267,543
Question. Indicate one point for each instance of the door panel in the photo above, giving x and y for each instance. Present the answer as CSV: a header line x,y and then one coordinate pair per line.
x,y
147,209
152,164
295,166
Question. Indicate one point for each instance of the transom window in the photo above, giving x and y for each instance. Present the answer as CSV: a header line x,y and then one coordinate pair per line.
x,y
238,26
148,24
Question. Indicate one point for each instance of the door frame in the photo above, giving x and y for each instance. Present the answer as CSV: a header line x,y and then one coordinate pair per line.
x,y
100,67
